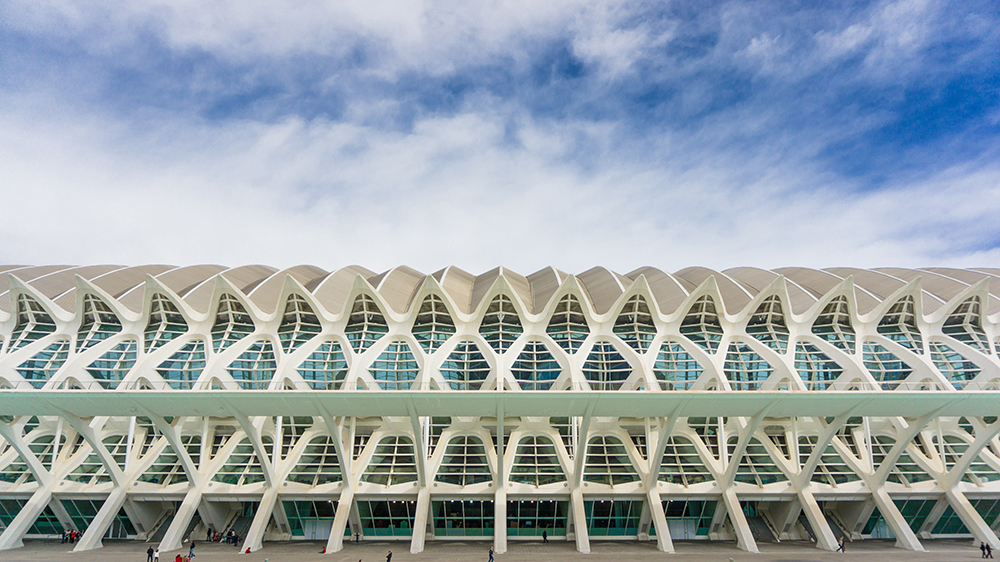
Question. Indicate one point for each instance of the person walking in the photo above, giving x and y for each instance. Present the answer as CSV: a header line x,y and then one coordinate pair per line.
x,y
545,535
156,555
491,554
843,544
208,535
982,548
357,537
149,554
191,551
989,551
388,557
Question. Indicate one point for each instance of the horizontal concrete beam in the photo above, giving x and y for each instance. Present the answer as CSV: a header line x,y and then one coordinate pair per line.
x,y
85,403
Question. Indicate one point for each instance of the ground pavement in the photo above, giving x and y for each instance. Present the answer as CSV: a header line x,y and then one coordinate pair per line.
x,y
561,551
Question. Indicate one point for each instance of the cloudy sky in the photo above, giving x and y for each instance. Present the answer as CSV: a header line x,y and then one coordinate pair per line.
x,y
517,133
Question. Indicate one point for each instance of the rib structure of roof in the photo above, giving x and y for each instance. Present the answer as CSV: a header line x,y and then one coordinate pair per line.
x,y
304,404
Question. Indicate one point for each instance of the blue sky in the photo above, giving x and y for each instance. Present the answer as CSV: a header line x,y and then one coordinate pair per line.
x,y
521,133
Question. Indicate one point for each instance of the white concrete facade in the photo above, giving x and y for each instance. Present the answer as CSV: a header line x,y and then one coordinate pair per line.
x,y
746,405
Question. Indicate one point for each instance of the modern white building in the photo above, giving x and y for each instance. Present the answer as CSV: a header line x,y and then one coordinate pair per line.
x,y
156,403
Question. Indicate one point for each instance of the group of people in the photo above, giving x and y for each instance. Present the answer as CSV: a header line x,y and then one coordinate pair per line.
x,y
229,538
987,549
71,536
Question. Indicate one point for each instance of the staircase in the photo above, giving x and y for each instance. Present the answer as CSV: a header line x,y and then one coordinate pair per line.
x,y
241,526
834,526
759,529
804,521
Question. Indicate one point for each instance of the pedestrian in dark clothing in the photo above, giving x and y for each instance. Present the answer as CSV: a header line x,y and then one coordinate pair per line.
x,y
388,557
982,548
989,551
843,545
149,554
191,550
208,535
545,536
357,537
491,554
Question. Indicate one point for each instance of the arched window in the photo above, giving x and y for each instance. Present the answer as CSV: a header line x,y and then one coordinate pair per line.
x,y
232,323
501,325
965,324
701,325
608,462
834,324
44,364
299,323
98,324
464,462
165,323
536,462
33,323
394,462
568,325
634,324
366,324
433,324
767,325
900,325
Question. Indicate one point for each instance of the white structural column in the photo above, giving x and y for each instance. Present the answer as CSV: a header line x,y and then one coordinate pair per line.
x,y
959,503
744,537
577,511
25,518
173,538
905,537
825,539
663,541
345,505
424,494
116,499
500,496
255,535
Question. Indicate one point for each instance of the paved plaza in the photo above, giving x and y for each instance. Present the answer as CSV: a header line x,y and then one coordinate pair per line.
x,y
880,551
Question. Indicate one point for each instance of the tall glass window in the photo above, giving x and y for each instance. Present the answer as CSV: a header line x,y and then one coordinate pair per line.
x,y
366,324
900,325
884,365
634,324
299,323
702,326
834,324
965,324
815,368
33,323
99,323
433,325
767,325
953,365
568,325
536,462
464,462
165,323
232,323
501,325
608,462
613,518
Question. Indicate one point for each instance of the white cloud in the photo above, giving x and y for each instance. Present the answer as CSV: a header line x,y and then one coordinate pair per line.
x,y
453,191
